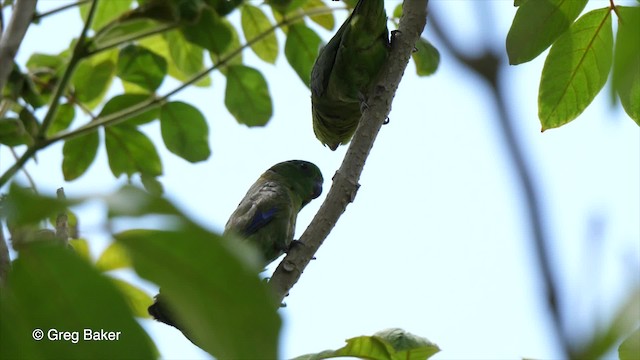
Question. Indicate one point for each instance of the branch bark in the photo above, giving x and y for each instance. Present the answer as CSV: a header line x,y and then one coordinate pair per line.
x,y
487,66
13,35
345,180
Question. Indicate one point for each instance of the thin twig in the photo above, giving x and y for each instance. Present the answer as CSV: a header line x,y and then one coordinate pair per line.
x,y
37,16
345,181
62,220
487,67
24,171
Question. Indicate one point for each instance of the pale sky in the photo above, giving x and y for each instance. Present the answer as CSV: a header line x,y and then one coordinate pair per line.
x,y
436,241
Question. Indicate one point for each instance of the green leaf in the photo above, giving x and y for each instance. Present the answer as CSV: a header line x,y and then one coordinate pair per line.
x,y
122,31
626,66
327,20
576,69
537,25
427,58
390,344
185,131
630,347
233,47
255,23
91,81
78,154
52,289
194,269
62,119
81,247
12,132
107,11
23,207
223,7
397,11
247,96
114,257
187,58
152,185
186,53
301,50
210,32
137,299
142,67
121,102
130,151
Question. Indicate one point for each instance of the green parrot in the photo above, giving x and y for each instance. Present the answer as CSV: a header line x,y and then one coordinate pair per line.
x,y
345,70
266,216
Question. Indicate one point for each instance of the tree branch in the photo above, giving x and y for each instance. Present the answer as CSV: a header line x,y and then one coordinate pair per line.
x,y
13,35
345,181
487,67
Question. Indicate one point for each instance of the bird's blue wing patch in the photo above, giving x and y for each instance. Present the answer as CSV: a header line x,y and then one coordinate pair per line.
x,y
260,219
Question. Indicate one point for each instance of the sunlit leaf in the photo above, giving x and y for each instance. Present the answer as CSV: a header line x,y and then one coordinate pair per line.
x,y
301,50
427,58
106,12
247,96
91,80
537,25
576,69
137,299
390,344
254,23
185,131
326,20
114,257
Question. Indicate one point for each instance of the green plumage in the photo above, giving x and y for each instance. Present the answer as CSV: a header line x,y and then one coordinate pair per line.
x,y
345,70
266,216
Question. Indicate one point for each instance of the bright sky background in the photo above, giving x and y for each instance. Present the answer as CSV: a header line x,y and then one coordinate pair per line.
x,y
436,241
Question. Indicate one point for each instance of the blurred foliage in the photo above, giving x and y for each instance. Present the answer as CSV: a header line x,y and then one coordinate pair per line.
x,y
389,344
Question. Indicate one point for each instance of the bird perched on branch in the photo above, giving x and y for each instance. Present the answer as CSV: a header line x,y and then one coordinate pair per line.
x,y
345,70
266,216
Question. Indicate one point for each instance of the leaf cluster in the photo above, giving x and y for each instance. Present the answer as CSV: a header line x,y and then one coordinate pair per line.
x,y
581,57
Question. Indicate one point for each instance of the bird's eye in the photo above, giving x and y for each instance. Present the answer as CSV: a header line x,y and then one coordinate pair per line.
x,y
303,166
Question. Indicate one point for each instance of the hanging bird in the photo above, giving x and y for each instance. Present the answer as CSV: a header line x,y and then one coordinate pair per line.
x,y
266,216
345,70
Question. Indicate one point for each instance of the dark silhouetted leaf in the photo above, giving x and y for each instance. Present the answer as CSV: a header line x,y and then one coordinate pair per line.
x,y
52,289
